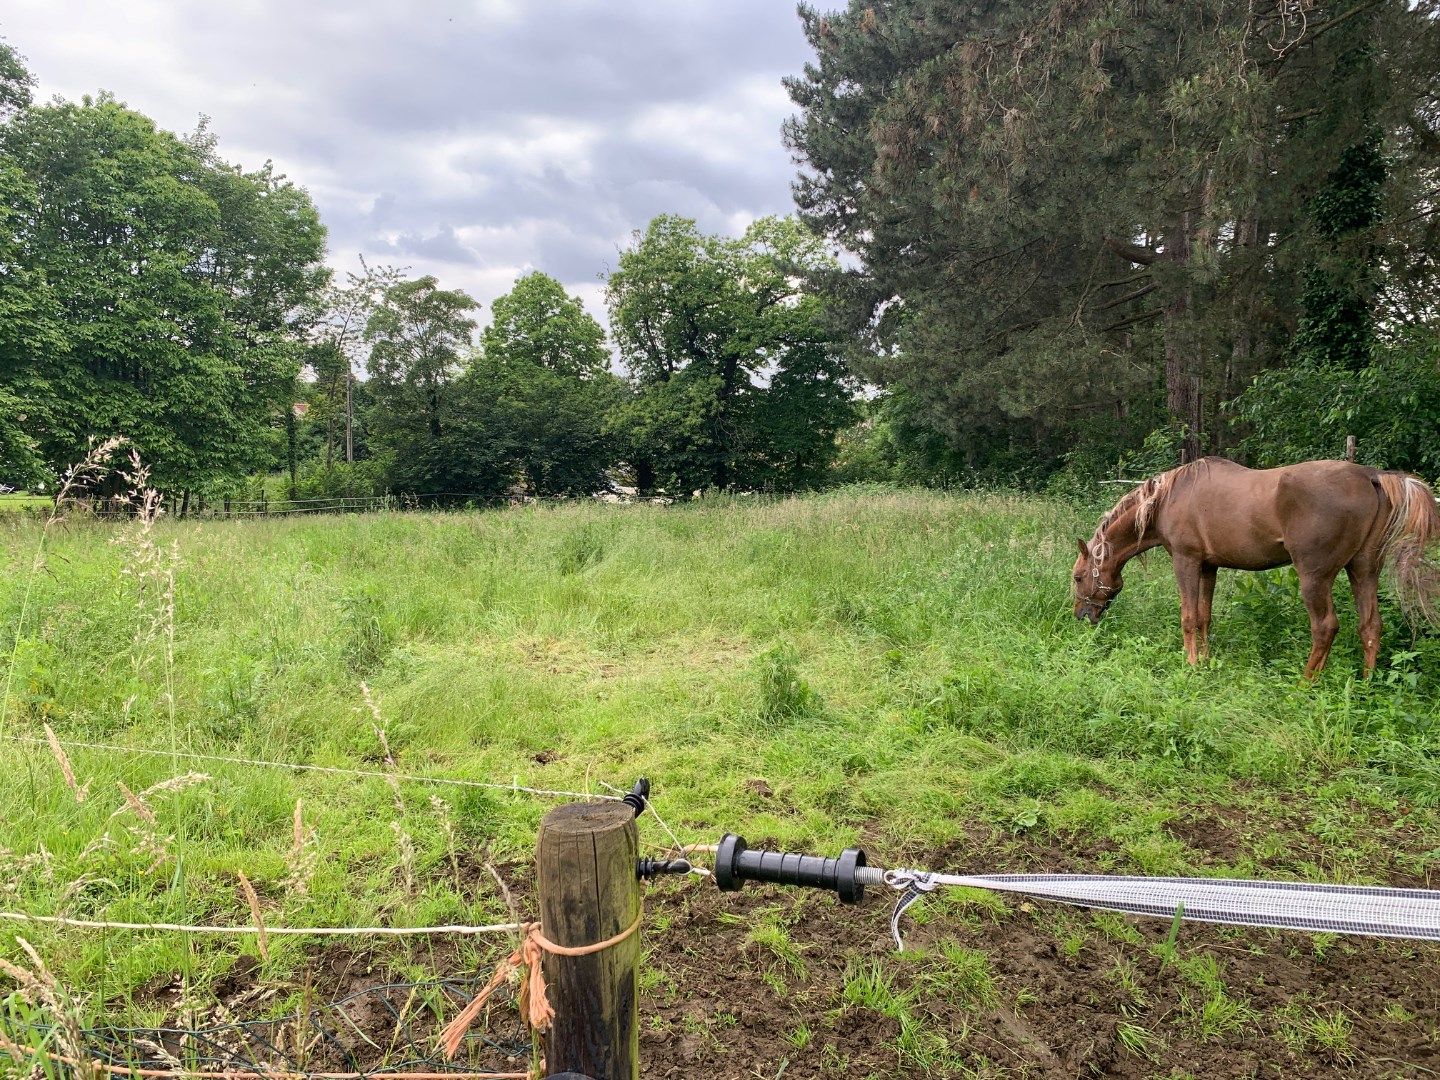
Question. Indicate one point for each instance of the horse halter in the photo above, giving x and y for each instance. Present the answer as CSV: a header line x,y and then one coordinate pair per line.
x,y
1090,603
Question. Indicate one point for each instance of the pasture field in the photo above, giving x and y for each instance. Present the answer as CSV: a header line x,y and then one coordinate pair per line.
x,y
898,669
16,501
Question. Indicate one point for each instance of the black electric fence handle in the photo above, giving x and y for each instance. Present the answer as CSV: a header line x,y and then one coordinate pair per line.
x,y
736,864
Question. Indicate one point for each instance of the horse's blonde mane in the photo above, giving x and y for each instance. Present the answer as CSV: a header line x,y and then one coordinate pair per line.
x,y
1144,499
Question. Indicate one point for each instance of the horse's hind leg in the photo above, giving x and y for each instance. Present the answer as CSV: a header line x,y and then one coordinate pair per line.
x,y
1365,585
1206,601
1317,590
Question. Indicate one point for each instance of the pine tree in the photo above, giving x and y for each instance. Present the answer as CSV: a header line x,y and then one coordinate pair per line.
x,y
1069,214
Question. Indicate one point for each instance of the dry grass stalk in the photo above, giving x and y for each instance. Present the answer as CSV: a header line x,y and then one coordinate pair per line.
x,y
254,901
78,886
175,783
14,869
384,739
304,855
157,1050
40,988
136,805
146,838
407,856
65,768
401,1021
510,904
152,567
447,827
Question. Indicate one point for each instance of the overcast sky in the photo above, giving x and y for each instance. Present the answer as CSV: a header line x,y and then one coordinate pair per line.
x,y
473,141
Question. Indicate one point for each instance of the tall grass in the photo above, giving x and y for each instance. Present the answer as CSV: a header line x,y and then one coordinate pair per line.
x,y
902,664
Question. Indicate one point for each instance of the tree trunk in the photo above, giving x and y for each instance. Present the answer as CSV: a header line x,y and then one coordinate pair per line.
x,y
349,412
644,476
330,428
291,455
1183,362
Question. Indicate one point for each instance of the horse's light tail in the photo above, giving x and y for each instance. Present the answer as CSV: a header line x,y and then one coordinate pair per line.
x,y
1413,529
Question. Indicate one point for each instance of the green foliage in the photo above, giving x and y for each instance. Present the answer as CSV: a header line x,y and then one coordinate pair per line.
x,y
20,463
528,411
785,696
736,377
544,361
16,82
417,336
344,479
1390,405
536,324
434,418
151,293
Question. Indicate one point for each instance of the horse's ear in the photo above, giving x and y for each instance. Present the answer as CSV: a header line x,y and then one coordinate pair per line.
x,y
1084,549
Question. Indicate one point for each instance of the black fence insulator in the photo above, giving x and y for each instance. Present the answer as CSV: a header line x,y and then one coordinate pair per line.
x,y
735,864
639,796
649,868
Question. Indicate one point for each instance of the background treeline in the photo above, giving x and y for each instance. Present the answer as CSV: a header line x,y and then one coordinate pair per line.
x,y
151,290
1081,238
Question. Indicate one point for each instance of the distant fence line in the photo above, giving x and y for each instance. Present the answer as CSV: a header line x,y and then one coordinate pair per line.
x,y
341,504
123,509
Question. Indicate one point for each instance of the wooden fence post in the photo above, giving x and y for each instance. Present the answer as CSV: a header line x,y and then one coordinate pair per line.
x,y
586,862
1349,447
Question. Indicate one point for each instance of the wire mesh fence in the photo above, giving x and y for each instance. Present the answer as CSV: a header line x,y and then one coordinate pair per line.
x,y
386,1029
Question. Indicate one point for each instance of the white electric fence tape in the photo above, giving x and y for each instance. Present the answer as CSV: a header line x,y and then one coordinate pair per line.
x,y
1287,905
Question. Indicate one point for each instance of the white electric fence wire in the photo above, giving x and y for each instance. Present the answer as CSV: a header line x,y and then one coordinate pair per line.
x,y
191,755
1287,905
298,931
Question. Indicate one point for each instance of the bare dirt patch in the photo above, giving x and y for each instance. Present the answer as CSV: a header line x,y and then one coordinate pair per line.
x,y
771,983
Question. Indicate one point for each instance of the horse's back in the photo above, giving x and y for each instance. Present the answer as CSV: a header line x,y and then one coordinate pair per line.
x,y
1329,473
1252,519
1306,481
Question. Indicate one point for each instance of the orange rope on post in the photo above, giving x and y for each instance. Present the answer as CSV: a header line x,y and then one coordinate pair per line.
x,y
535,1006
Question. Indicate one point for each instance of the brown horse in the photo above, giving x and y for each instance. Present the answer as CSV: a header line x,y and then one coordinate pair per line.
x,y
1322,516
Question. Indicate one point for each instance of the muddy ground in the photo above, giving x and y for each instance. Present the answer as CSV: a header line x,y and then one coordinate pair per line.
x,y
776,983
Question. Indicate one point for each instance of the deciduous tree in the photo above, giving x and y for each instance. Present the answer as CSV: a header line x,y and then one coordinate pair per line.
x,y
158,291
737,377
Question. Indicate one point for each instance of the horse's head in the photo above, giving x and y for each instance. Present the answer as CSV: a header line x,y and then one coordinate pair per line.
x,y
1096,585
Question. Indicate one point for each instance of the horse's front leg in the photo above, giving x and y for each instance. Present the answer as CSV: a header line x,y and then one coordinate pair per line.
x,y
1187,576
1207,600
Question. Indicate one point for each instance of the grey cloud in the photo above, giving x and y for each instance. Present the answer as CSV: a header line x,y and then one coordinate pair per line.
x,y
442,246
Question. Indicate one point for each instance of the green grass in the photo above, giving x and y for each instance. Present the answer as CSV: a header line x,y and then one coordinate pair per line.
x,y
897,668
17,501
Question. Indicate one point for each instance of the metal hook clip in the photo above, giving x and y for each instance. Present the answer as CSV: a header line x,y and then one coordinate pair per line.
x,y
912,885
